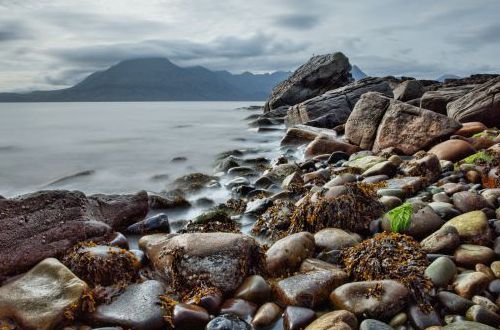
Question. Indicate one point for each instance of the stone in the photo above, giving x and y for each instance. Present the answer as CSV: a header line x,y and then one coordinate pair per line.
x,y
483,315
223,261
286,255
292,182
486,303
311,264
335,239
334,107
472,227
495,267
255,289
494,287
445,239
470,128
398,319
187,317
409,90
438,100
384,168
444,210
296,318
39,298
452,150
340,180
302,134
423,320
469,255
356,298
310,289
138,307
470,284
441,271
371,324
211,302
154,224
320,74
466,325
383,122
485,270
192,182
48,223
480,104
428,167
423,222
320,146
365,162
244,309
266,315
453,303
329,321
468,201
229,321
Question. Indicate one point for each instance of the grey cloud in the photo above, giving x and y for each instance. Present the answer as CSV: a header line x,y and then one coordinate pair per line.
x,y
11,30
297,21
478,37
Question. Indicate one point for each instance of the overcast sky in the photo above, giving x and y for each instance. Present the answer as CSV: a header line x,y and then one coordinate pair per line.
x,y
54,43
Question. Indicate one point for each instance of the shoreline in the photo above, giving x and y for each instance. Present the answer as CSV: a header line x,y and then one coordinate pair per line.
x,y
391,220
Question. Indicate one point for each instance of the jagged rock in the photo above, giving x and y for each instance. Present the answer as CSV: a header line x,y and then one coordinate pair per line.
x,y
301,134
438,100
408,90
480,104
320,74
334,107
397,124
48,223
40,298
190,261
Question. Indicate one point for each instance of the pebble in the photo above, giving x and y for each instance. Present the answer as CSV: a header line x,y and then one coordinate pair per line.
x,y
287,254
470,284
441,271
445,239
486,271
336,320
454,303
335,239
494,287
296,318
472,227
398,319
371,324
423,320
311,264
355,298
229,321
486,303
467,325
266,315
244,309
469,255
483,315
188,317
467,201
495,267
255,289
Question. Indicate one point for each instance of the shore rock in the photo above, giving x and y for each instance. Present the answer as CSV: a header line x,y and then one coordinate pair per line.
x,y
332,320
223,261
472,227
301,134
334,107
310,289
296,318
320,74
321,146
378,122
480,104
408,90
48,223
438,100
452,150
266,315
287,254
467,285
138,307
358,298
39,298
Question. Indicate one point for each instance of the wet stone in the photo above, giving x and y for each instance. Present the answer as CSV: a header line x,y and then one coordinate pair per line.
x,y
454,303
441,271
469,255
371,324
311,264
467,201
483,315
266,315
189,317
255,289
470,284
155,224
423,320
244,309
445,239
228,321
335,239
296,318
486,303
336,320
287,254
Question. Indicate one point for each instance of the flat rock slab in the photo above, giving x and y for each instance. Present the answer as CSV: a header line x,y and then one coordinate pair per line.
x,y
39,298
47,223
138,307
189,261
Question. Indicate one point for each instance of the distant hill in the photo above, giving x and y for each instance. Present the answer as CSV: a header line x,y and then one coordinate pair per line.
x,y
158,79
447,76
357,74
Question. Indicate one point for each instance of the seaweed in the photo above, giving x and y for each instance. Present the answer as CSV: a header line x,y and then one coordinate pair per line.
x,y
400,217
391,256
212,221
352,211
275,221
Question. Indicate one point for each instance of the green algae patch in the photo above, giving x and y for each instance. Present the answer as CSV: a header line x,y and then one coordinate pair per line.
x,y
400,217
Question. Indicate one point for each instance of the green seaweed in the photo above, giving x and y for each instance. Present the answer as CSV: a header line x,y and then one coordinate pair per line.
x,y
400,217
480,156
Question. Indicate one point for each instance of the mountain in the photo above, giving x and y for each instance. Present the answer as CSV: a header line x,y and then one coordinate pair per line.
x,y
158,79
447,76
357,74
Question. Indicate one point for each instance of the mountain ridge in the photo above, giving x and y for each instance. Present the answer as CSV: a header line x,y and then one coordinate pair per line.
x,y
158,79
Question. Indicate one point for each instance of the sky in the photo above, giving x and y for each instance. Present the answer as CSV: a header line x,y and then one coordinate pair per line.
x,y
50,44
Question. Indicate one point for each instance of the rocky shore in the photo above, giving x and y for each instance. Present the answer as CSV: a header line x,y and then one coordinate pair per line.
x,y
380,211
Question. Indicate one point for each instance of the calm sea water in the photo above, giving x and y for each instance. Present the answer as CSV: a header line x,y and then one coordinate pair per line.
x,y
118,147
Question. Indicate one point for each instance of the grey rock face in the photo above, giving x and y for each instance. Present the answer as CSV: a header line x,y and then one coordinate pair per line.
x,y
334,107
320,74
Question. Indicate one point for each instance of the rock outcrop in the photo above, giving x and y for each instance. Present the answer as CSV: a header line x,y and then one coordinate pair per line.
x,y
320,74
334,107
378,122
438,100
408,90
480,104
48,223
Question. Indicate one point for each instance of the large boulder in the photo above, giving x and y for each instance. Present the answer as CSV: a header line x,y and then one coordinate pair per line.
x,y
48,223
480,104
41,297
196,260
320,74
397,124
438,100
301,134
334,107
